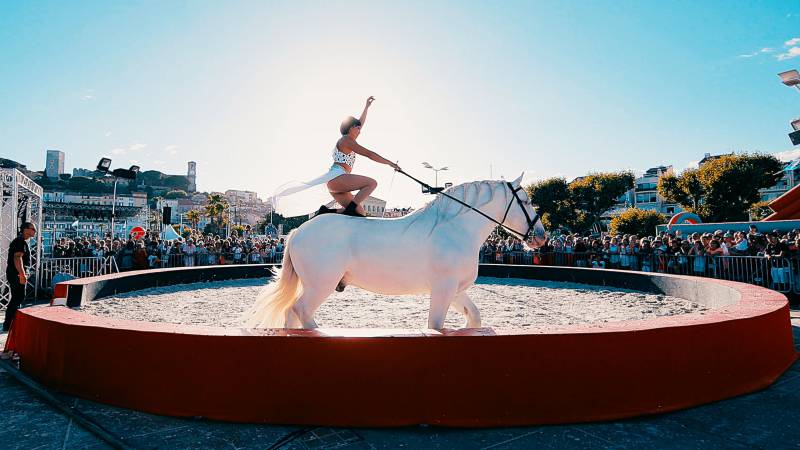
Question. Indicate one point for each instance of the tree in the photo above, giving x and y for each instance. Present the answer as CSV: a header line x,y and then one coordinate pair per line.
x,y
193,217
594,194
552,198
289,223
216,205
175,193
176,182
238,230
641,222
760,210
723,189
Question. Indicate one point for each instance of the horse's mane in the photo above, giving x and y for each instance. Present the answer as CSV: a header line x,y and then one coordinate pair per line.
x,y
445,209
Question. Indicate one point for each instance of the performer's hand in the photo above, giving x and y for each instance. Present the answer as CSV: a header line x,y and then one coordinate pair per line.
x,y
370,100
394,166
23,279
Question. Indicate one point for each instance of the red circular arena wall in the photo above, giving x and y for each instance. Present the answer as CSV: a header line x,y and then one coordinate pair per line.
x,y
462,378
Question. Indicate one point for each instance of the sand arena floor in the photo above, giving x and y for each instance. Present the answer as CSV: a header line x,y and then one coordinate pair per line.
x,y
504,303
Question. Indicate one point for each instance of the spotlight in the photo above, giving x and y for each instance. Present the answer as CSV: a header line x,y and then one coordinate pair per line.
x,y
790,77
104,165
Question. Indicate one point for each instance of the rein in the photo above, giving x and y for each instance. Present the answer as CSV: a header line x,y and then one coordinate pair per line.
x,y
531,222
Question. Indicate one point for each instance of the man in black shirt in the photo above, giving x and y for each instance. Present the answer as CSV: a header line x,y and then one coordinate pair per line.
x,y
19,258
777,253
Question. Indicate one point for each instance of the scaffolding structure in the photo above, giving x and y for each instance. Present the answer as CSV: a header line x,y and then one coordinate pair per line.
x,y
20,201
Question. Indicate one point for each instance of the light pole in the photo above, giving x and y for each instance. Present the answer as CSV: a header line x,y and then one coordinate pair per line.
x,y
428,166
791,78
129,174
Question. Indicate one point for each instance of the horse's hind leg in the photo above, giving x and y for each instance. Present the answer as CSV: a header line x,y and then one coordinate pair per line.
x,y
463,304
305,307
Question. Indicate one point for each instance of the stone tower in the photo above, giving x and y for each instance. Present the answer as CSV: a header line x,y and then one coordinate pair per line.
x,y
191,174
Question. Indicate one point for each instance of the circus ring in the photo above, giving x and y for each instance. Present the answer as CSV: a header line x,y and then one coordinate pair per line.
x,y
461,378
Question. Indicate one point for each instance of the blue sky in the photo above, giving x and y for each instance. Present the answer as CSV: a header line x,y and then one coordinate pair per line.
x,y
254,91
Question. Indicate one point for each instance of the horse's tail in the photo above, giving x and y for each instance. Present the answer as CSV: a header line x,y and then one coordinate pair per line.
x,y
274,302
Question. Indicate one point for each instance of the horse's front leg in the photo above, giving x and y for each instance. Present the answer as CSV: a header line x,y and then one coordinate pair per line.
x,y
441,296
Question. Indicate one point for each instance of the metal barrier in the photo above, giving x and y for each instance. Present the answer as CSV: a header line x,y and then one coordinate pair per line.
x,y
779,274
79,267
216,258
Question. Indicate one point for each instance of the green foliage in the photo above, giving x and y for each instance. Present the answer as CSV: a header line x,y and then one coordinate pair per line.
x,y
238,230
759,210
596,193
151,178
83,185
553,199
176,193
215,208
578,205
176,182
193,217
289,223
722,189
641,222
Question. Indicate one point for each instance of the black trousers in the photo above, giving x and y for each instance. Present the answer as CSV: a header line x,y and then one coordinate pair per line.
x,y
17,296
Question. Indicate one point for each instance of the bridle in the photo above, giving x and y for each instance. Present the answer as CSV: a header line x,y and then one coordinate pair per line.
x,y
531,221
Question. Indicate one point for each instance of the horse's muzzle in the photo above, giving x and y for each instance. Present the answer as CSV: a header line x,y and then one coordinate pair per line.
x,y
536,242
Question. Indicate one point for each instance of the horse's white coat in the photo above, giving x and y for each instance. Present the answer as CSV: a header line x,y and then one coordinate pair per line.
x,y
434,249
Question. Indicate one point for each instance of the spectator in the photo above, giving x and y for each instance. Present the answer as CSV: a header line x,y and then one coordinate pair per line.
x,y
188,249
139,257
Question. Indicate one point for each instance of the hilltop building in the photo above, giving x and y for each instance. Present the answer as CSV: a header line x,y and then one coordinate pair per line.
x,y
374,206
54,164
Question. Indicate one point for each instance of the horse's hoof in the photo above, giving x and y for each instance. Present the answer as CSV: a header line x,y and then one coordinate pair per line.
x,y
340,287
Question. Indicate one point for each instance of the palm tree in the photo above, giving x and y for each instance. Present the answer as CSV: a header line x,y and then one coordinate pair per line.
x,y
193,217
216,207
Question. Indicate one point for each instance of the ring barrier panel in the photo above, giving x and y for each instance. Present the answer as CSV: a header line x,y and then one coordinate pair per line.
x,y
481,377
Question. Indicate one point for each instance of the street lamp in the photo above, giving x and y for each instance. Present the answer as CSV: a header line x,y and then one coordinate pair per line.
x,y
129,174
428,166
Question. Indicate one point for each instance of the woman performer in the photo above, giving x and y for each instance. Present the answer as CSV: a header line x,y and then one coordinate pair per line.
x,y
344,156
339,179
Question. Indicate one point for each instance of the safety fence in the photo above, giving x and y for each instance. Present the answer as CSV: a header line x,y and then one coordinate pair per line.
x,y
55,270
217,258
780,274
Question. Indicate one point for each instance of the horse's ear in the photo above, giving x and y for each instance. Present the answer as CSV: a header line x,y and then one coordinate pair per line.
x,y
518,181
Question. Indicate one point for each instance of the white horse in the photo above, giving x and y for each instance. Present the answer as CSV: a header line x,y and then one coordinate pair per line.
x,y
433,250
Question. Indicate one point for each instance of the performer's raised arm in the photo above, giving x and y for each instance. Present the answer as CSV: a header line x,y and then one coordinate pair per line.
x,y
363,117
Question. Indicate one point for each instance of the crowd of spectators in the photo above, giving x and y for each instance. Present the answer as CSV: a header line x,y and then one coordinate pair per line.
x,y
195,249
695,254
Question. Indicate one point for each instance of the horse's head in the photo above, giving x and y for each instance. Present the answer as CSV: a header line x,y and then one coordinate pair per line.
x,y
521,217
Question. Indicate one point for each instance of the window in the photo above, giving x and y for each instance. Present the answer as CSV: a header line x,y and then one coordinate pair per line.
x,y
646,186
646,198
